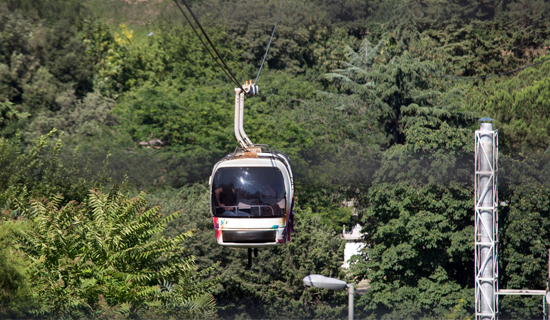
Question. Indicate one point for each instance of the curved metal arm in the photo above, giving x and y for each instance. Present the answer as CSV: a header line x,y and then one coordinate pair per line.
x,y
241,136
239,96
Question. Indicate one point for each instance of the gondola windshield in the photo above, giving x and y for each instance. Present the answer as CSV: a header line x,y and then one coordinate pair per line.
x,y
252,192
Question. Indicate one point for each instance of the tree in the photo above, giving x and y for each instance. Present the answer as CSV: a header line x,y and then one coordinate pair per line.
x,y
8,114
83,120
195,126
418,225
39,64
385,79
63,53
171,55
16,62
521,108
523,246
49,10
41,172
15,291
108,256
418,245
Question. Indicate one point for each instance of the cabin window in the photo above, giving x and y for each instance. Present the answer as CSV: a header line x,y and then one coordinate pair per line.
x,y
248,192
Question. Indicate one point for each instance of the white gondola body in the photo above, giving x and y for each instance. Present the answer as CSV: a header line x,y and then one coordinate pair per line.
x,y
260,217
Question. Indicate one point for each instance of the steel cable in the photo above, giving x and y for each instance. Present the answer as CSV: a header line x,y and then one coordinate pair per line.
x,y
269,44
224,67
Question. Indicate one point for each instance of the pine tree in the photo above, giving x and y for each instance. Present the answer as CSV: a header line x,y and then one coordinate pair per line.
x,y
388,80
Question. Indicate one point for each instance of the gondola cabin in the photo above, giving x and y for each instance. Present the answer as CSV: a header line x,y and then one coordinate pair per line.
x,y
251,194
251,190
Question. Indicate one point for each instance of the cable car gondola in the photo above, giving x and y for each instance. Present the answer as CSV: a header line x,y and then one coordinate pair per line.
x,y
251,190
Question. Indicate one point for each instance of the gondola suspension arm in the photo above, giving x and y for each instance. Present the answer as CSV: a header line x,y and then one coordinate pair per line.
x,y
241,136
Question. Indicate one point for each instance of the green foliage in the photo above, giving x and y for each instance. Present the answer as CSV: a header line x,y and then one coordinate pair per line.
x,y
521,108
417,219
63,53
419,246
9,114
378,131
40,172
105,54
38,64
302,30
325,202
524,246
442,155
478,48
110,252
49,10
284,295
15,290
329,49
273,288
195,126
138,15
184,60
341,138
15,59
172,54
397,89
83,120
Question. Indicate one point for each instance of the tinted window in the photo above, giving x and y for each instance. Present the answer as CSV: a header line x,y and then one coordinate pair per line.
x,y
248,192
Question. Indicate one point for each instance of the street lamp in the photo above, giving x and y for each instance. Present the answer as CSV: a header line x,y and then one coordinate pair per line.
x,y
319,281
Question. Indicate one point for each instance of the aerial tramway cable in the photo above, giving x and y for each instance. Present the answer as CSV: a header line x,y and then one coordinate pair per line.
x,y
269,44
224,67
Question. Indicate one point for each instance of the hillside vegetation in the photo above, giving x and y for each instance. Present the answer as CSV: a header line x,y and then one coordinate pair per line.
x,y
112,115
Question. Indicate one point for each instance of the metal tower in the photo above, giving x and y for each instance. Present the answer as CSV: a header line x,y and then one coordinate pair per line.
x,y
486,222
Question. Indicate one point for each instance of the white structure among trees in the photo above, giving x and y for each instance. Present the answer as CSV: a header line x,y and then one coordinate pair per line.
x,y
354,244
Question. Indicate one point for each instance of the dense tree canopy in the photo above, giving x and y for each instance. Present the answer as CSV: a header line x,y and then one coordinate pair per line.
x,y
375,102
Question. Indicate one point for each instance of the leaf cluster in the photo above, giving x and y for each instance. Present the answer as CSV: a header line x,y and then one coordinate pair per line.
x,y
109,255
41,172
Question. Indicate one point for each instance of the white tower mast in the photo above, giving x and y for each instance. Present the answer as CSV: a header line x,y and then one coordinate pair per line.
x,y
486,222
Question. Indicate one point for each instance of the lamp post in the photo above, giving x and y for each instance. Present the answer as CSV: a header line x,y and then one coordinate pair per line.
x,y
319,281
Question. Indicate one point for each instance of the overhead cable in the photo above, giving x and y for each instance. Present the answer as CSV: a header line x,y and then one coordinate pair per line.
x,y
224,67
269,44
276,90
